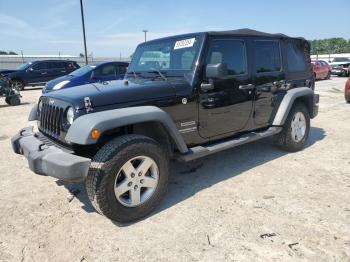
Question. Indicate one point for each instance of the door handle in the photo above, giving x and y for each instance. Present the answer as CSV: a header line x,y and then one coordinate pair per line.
x,y
44,73
63,71
246,87
207,87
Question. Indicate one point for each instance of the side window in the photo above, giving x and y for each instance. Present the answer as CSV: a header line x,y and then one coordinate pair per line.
x,y
267,56
230,52
108,70
40,66
54,65
295,57
122,69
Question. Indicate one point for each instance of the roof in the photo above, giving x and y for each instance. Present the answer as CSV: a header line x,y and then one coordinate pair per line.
x,y
247,32
237,32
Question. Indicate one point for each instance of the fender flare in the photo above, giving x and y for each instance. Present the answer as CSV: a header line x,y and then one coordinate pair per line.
x,y
33,115
288,101
79,131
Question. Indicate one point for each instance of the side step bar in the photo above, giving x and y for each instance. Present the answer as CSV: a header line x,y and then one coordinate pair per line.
x,y
201,151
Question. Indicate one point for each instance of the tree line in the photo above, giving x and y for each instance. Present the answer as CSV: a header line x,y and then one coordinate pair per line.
x,y
335,45
8,53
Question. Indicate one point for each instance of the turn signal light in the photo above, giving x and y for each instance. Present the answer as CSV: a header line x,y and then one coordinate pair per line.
x,y
95,133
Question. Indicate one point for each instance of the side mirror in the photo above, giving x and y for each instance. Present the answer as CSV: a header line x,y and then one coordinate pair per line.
x,y
30,69
216,71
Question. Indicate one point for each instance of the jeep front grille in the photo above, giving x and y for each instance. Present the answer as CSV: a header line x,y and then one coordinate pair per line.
x,y
51,118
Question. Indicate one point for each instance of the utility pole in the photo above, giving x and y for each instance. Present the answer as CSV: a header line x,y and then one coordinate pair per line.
x,y
145,31
83,23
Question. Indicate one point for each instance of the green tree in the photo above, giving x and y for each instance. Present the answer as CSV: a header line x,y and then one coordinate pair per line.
x,y
335,45
3,53
12,53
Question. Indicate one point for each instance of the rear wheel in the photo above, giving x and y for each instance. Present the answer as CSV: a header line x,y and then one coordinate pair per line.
x,y
328,75
295,130
128,178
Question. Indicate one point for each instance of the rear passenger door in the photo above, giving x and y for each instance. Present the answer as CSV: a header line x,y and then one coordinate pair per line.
x,y
267,72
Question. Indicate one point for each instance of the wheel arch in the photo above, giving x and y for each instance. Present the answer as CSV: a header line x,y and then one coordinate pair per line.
x,y
303,95
146,120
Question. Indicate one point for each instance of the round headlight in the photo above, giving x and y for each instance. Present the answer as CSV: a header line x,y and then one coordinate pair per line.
x,y
40,106
70,115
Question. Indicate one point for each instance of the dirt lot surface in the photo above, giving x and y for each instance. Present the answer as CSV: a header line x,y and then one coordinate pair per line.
x,y
252,203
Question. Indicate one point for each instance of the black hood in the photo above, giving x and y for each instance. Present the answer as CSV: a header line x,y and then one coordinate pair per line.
x,y
115,92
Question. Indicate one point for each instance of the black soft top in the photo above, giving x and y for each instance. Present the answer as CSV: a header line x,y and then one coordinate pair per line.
x,y
250,32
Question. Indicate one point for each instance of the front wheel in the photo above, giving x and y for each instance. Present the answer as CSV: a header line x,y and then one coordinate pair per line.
x,y
295,130
328,76
128,178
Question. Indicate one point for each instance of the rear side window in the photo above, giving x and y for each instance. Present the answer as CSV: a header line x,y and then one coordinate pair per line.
x,y
55,65
40,66
108,70
70,65
230,52
122,69
295,57
267,56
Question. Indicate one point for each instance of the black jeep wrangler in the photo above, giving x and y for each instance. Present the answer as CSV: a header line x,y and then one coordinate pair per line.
x,y
183,97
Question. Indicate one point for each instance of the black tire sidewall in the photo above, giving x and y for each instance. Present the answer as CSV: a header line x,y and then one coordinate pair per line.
x,y
105,196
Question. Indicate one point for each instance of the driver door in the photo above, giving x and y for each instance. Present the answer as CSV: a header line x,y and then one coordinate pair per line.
x,y
226,108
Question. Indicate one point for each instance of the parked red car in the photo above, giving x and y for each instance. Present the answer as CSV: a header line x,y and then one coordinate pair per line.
x,y
322,69
347,91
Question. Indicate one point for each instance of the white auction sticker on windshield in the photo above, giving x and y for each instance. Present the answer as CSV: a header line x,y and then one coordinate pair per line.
x,y
184,43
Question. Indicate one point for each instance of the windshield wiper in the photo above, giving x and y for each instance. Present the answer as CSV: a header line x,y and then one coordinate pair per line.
x,y
156,70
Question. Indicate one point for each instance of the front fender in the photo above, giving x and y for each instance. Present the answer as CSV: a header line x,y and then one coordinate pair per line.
x,y
79,132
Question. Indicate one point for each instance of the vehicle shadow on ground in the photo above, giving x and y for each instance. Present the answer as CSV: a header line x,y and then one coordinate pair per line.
x,y
21,104
32,88
188,179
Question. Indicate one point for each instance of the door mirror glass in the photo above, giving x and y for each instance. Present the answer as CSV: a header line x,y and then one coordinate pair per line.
x,y
216,71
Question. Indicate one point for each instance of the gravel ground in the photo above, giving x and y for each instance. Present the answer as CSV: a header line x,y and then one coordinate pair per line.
x,y
252,203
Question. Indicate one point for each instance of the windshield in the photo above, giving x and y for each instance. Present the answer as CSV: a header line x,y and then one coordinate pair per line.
x,y
24,66
174,56
83,70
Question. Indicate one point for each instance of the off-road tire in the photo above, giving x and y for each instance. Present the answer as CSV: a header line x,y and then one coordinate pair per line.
x,y
7,100
105,167
14,101
284,139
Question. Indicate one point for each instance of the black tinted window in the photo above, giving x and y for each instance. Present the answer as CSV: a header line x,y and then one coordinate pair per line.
x,y
108,70
229,52
267,56
295,57
122,69
55,65
40,66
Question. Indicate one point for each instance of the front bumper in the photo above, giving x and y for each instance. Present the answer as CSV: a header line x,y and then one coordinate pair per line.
x,y
49,160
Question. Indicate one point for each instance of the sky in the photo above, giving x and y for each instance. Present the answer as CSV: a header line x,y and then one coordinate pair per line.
x,y
114,27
